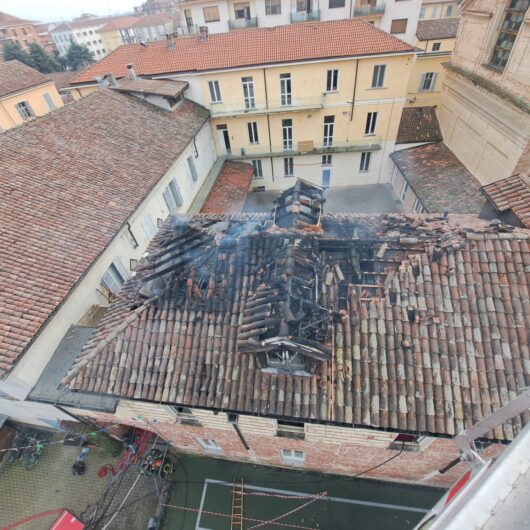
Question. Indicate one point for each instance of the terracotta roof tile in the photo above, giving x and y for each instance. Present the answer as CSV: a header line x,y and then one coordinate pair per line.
x,y
512,193
119,23
418,125
230,189
439,179
431,336
294,42
69,181
16,76
440,28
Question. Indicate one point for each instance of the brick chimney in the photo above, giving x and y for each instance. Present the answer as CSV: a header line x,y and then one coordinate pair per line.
x,y
131,74
203,33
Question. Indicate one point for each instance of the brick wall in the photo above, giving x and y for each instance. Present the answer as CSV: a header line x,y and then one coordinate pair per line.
x,y
326,449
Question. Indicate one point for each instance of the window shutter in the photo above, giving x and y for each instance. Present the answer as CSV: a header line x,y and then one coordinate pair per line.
x,y
109,283
422,82
148,226
120,267
170,203
433,82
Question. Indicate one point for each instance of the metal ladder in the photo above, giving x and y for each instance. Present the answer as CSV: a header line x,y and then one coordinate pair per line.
x,y
236,519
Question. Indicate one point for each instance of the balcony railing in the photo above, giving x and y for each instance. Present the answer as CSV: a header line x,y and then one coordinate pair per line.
x,y
369,9
242,23
218,110
305,16
302,148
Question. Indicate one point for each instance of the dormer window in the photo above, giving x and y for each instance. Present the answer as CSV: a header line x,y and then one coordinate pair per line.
x,y
512,22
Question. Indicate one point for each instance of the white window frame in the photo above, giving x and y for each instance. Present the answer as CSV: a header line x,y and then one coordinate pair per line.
x,y
258,169
327,161
434,12
210,446
149,226
422,12
287,134
366,158
418,206
329,129
248,92
404,191
115,276
215,91
24,109
428,82
286,90
288,167
253,137
378,76
192,169
332,80
371,123
272,8
449,10
49,101
173,197
291,457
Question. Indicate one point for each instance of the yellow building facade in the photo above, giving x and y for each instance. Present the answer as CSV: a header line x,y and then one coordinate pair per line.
x,y
30,95
331,122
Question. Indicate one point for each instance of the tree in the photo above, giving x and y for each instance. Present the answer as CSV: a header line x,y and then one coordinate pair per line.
x,y
12,51
44,62
78,56
61,60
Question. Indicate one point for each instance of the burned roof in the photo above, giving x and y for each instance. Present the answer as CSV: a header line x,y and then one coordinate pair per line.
x,y
418,125
392,321
512,193
69,182
439,179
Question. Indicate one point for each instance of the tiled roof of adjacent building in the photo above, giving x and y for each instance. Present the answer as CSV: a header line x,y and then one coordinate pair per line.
x,y
229,192
439,179
16,76
440,28
415,323
512,193
86,22
282,44
119,23
152,20
418,125
7,20
62,79
69,182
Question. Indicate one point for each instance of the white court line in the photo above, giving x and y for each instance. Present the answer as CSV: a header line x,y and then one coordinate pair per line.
x,y
199,515
334,499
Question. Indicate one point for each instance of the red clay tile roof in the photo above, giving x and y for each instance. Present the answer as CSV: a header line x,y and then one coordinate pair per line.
x,y
61,79
418,125
512,193
294,42
119,23
7,20
439,179
69,181
229,192
16,76
432,338
440,28
153,20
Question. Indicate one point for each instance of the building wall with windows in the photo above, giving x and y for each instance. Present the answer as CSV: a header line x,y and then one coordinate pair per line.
x,y
401,19
426,79
268,98
117,259
312,446
439,9
484,111
22,106
87,35
403,191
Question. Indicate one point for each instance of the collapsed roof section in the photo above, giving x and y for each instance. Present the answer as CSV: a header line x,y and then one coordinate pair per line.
x,y
402,322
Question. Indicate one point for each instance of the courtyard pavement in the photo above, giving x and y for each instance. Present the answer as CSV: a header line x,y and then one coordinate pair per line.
x,y
51,485
373,198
